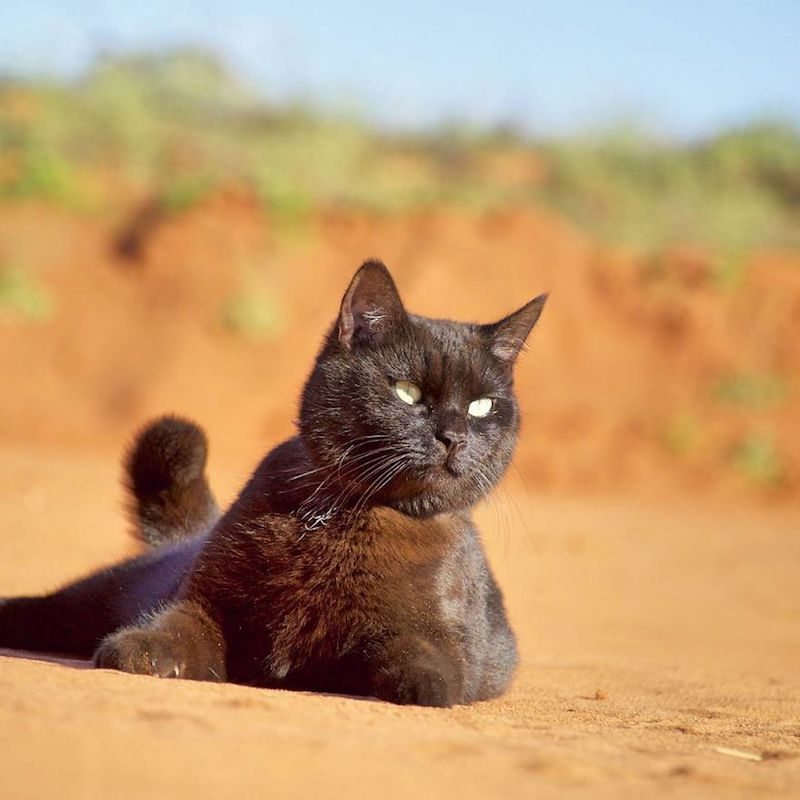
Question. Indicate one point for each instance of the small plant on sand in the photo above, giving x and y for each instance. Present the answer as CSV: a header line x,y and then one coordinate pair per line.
x,y
22,297
42,174
757,459
729,271
682,434
752,390
184,193
252,313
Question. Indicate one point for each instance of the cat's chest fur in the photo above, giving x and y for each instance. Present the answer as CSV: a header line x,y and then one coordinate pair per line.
x,y
325,596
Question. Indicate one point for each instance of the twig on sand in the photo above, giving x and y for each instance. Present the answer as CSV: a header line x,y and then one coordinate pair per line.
x,y
733,752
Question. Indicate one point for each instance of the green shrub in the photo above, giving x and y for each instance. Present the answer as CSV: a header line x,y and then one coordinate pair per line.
x,y
252,314
751,390
756,458
43,173
183,114
22,297
184,193
683,434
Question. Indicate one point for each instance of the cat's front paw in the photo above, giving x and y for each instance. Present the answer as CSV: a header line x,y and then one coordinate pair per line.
x,y
143,652
419,685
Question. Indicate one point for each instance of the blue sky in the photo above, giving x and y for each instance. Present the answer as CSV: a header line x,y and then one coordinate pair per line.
x,y
684,68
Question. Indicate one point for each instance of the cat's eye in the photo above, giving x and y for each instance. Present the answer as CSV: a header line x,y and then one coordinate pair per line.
x,y
408,392
480,407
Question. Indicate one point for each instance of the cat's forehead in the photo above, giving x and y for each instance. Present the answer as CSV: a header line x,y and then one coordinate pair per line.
x,y
453,338
447,352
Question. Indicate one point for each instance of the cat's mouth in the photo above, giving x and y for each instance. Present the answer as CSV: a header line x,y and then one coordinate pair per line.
x,y
447,469
430,477
426,475
453,468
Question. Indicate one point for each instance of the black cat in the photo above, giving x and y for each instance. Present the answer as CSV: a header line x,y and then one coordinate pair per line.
x,y
349,563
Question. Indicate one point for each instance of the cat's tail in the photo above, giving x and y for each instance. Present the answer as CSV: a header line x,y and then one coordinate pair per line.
x,y
165,473
171,505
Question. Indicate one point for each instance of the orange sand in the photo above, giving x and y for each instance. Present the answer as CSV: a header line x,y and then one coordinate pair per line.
x,y
650,636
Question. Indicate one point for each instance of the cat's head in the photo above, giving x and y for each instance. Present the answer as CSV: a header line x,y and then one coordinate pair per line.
x,y
412,412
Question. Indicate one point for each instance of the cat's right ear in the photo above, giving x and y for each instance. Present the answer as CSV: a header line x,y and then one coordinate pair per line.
x,y
371,306
508,336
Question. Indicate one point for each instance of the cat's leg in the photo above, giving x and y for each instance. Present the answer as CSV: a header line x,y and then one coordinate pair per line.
x,y
76,618
182,641
413,670
500,658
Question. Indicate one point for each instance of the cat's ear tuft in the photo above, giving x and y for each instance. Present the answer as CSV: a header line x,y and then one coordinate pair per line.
x,y
508,336
371,306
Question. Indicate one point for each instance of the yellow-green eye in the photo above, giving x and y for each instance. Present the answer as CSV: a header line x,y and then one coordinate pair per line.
x,y
480,407
408,392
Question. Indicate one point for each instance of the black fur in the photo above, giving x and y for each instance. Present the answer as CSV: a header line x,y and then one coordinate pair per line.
x,y
165,475
349,563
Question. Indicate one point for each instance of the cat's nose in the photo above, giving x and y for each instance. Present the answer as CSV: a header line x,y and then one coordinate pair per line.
x,y
452,439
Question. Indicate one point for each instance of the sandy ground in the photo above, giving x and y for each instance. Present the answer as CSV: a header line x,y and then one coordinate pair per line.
x,y
653,637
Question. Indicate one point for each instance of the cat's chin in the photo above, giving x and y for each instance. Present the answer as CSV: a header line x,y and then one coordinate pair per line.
x,y
439,492
429,505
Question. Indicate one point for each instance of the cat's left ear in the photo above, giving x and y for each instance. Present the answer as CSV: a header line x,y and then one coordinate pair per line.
x,y
508,336
371,306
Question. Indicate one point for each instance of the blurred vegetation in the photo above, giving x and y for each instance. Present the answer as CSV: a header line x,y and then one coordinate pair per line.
x,y
176,125
682,434
22,297
757,458
738,189
750,390
253,312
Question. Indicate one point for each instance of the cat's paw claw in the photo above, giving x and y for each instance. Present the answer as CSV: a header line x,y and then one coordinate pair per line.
x,y
165,667
140,652
175,672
